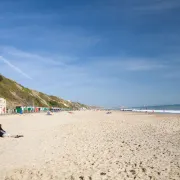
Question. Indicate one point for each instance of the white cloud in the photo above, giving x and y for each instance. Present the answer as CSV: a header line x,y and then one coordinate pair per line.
x,y
157,5
172,75
15,68
91,80
128,64
143,65
34,58
28,16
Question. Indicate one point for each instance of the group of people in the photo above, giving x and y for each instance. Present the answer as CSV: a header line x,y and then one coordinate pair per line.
x,y
4,134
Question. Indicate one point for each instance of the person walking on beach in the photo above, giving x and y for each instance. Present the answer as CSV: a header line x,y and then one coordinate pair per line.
x,y
3,134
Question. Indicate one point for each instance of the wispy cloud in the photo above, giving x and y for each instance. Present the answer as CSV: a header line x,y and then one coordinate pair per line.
x,y
31,56
15,68
42,59
65,40
143,65
94,75
129,64
28,16
157,5
172,75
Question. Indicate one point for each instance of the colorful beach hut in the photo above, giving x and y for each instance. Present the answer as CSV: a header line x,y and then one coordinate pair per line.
x,y
19,109
2,106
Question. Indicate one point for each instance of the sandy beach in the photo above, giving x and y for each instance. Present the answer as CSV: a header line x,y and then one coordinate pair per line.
x,y
91,145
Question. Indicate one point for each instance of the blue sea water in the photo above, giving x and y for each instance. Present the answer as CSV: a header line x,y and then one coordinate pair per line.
x,y
161,107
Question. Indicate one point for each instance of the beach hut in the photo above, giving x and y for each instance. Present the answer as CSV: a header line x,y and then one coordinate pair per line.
x,y
25,109
41,109
19,109
31,109
36,109
45,109
2,106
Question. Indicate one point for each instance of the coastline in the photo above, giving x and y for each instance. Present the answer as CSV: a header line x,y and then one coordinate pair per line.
x,y
152,111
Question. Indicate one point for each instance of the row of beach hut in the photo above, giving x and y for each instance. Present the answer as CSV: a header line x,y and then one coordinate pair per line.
x,y
30,109
26,109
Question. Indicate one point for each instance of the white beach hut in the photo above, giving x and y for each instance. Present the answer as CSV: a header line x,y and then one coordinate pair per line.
x,y
2,106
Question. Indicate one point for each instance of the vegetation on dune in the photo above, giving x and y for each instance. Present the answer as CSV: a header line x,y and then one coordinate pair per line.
x,y
26,90
1,78
16,94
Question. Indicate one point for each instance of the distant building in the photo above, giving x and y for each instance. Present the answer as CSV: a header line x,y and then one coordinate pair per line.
x,y
2,106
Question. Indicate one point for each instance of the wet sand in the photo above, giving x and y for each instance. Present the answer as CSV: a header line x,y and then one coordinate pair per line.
x,y
91,146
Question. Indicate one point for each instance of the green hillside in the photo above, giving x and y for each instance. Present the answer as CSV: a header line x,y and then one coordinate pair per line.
x,y
16,94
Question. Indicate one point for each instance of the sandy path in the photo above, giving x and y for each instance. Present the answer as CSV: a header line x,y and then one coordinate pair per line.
x,y
91,146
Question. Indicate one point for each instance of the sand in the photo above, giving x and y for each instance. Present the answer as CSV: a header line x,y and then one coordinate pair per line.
x,y
91,146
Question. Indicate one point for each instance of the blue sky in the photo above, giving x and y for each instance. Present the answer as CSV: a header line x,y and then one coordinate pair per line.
x,y
103,52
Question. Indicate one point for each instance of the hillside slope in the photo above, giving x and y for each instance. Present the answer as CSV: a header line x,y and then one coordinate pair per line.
x,y
16,94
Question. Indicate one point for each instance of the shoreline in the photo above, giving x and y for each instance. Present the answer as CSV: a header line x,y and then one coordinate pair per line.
x,y
153,111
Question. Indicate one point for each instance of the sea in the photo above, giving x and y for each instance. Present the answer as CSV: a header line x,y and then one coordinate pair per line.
x,y
159,107
173,109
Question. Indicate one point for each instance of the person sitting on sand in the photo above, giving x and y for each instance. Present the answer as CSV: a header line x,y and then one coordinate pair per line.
x,y
3,133
49,113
